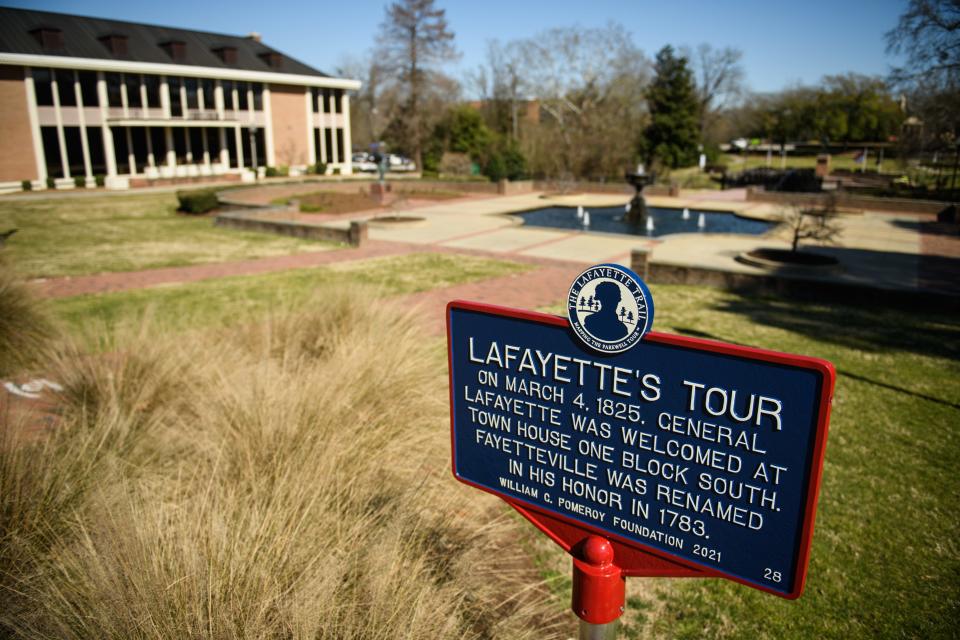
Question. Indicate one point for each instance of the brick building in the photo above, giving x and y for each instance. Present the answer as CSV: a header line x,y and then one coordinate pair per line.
x,y
85,97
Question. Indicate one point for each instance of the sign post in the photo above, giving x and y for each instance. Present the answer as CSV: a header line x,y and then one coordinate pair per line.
x,y
639,453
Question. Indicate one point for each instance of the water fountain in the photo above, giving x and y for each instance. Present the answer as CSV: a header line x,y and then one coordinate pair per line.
x,y
586,218
686,213
649,225
580,212
639,179
701,221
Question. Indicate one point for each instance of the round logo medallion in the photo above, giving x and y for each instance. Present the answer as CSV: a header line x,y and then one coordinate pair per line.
x,y
610,308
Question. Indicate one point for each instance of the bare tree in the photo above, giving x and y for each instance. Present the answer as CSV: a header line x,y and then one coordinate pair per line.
x,y
589,85
414,39
812,221
719,78
500,86
929,34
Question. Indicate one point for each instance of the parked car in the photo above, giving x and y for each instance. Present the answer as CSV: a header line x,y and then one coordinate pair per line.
x,y
363,162
400,163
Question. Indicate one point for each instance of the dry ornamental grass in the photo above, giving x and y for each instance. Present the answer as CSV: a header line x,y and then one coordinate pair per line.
x,y
286,479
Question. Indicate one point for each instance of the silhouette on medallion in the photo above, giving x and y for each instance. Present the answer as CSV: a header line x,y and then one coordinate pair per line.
x,y
604,324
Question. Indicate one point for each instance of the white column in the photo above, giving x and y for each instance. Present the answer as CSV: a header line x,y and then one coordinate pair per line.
x,y
238,139
108,151
218,99
311,147
61,139
151,158
171,151
144,105
347,168
124,100
131,157
322,115
84,144
38,153
165,96
268,127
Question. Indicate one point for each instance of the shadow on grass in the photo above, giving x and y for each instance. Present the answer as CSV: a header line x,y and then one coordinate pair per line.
x,y
867,328
696,333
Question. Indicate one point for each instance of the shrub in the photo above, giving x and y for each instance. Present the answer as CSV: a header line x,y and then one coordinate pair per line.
x,y
456,164
495,169
101,179
51,183
26,185
275,172
197,201
336,171
319,169
79,182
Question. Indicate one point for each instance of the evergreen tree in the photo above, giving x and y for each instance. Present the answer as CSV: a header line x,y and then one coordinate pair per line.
x,y
673,135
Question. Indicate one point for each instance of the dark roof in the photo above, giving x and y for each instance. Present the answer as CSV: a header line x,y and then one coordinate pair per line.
x,y
82,39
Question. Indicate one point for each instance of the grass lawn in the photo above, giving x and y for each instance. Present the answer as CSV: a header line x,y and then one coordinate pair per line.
x,y
885,560
735,162
76,236
216,302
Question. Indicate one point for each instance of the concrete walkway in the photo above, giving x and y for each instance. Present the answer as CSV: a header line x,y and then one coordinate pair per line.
x,y
882,250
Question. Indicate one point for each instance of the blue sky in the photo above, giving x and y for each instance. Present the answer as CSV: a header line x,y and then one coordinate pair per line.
x,y
783,42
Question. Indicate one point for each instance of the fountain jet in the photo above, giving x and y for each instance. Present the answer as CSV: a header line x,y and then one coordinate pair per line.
x,y
686,213
701,221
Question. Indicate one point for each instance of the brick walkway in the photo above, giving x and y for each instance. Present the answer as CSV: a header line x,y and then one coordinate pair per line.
x,y
531,290
125,280
546,284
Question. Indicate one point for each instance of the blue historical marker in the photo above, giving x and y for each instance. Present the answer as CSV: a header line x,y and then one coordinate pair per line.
x,y
703,454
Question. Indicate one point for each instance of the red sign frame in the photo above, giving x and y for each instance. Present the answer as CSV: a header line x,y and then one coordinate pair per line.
x,y
634,558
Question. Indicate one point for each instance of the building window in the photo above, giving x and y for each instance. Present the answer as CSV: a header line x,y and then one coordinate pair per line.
x,y
315,93
340,149
138,135
51,151
159,143
213,143
227,86
176,101
243,102
196,144
114,80
338,101
180,144
121,152
191,86
232,149
206,90
98,162
71,136
257,96
328,138
42,87
133,90
253,156
325,103
316,145
152,83
88,88
65,88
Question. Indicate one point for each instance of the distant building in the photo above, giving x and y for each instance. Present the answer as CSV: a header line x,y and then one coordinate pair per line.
x,y
82,97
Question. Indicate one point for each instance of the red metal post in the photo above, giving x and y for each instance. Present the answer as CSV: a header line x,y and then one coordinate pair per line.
x,y
599,586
